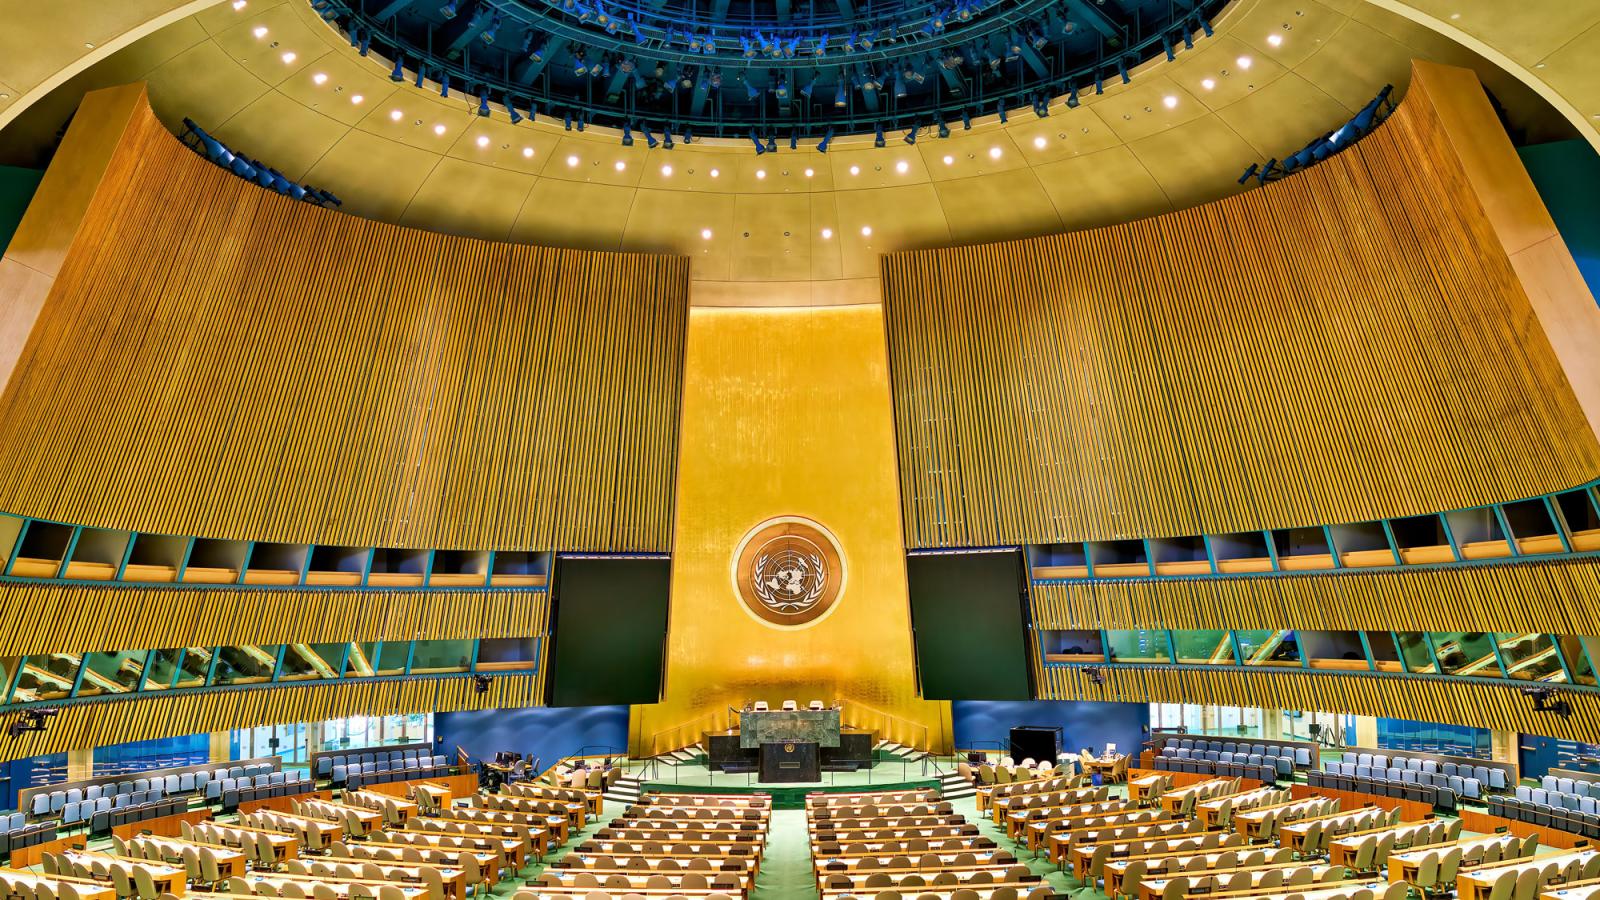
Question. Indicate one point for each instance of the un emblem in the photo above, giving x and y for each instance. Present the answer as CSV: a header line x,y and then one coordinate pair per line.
x,y
788,572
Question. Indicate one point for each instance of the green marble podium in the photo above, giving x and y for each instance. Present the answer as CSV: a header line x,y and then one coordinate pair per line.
x,y
806,726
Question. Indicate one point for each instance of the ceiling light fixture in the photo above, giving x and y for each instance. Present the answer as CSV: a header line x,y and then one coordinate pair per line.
x,y
320,78
260,31
866,231
1169,101
827,234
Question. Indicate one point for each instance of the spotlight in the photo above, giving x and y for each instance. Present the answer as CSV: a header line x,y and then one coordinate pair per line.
x,y
772,144
566,119
751,90
1122,69
1099,84
30,720
1000,107
1072,97
448,10
627,135
688,135
444,85
512,112
583,119
420,75
877,140
841,97
650,139
782,89
483,102
911,136
808,87
966,121
794,139
822,146
1544,700
944,130
755,139
1094,675
1166,44
480,684
399,73
366,42
489,33
666,138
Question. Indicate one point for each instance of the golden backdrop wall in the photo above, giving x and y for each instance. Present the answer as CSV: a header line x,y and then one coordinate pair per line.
x,y
218,360
786,413
1347,344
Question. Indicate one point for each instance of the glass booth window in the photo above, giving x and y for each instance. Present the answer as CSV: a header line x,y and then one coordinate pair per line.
x,y
112,673
441,656
310,662
245,664
1138,646
1204,648
46,677
1414,652
1269,648
1531,657
1466,653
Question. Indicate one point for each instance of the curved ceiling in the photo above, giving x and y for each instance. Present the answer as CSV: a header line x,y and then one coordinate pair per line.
x,y
808,226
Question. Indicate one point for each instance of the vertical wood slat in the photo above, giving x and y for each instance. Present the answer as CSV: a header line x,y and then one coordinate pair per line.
x,y
247,367
1350,343
62,618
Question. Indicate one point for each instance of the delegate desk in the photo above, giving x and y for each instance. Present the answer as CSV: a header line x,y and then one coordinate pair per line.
x,y
1404,865
274,882
15,883
1582,890
1172,800
168,879
1476,884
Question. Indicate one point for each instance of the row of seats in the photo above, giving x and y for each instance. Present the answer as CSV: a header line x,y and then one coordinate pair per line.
x,y
1300,755
1283,764
324,764
102,817
1489,776
1470,788
1570,786
1442,798
146,789
17,832
251,169
362,774
294,779
232,797
1225,770
1586,823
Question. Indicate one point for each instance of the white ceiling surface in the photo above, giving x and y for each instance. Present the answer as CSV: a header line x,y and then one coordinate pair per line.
x,y
405,155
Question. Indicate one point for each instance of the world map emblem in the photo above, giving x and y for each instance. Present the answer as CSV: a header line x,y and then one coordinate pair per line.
x,y
788,572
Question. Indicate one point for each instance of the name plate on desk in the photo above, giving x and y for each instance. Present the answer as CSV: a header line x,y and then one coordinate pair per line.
x,y
818,726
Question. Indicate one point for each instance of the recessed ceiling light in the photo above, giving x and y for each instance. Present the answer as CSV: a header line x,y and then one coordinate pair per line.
x,y
760,174
620,165
810,172
1243,62
1208,84
715,172
1275,39
827,234
320,78
356,99
855,170
705,234
902,167
527,153
438,129
949,160
483,140
1455,15
395,114
666,170
1170,102
289,56
1039,142
866,231
238,5
994,152
572,161
259,31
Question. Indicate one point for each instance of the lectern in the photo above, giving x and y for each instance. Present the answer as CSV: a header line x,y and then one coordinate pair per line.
x,y
790,761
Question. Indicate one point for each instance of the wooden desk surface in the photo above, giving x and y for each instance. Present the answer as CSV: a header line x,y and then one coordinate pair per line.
x,y
88,889
992,856
168,879
1152,888
1474,884
984,891
340,885
1404,864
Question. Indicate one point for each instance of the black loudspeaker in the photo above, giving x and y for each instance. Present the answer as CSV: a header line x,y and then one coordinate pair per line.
x,y
1035,742
1315,729
975,757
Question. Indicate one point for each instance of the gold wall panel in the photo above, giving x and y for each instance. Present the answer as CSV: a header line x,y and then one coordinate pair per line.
x,y
1346,344
1421,700
46,618
82,725
786,413
218,360
1555,597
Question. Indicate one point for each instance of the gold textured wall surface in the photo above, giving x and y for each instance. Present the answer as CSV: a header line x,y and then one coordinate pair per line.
x,y
786,413
218,360
42,618
1554,597
81,725
1418,699
1346,344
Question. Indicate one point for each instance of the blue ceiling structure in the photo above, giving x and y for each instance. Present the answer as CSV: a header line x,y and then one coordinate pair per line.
x,y
768,70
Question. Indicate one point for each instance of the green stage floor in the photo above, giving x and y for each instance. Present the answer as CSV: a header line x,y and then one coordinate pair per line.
x,y
887,774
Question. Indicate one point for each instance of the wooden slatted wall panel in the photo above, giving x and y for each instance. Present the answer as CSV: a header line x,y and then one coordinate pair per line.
x,y
218,360
90,619
1422,700
81,725
1555,597
1347,344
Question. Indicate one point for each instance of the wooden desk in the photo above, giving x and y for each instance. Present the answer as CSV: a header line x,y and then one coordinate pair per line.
x,y
1171,800
1037,831
931,832
1293,834
1588,890
1342,849
534,839
858,877
284,804
984,891
406,809
165,826
172,880
638,879
1115,869
1403,866
1139,788
284,846
1207,811
1083,855
1062,842
514,849
901,847
87,889
1324,891
1475,884
230,862
828,865
852,798
1152,888
744,867
24,857
340,885
1249,822
453,876
1104,765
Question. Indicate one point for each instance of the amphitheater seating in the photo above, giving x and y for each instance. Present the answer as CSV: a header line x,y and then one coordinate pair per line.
x,y
358,768
1285,759
1474,780
1257,770
17,832
1443,798
1572,806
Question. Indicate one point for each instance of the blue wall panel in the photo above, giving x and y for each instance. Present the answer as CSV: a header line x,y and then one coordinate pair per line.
x,y
979,724
539,732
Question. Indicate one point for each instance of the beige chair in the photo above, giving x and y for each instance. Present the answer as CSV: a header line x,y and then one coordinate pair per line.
x,y
815,704
790,705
